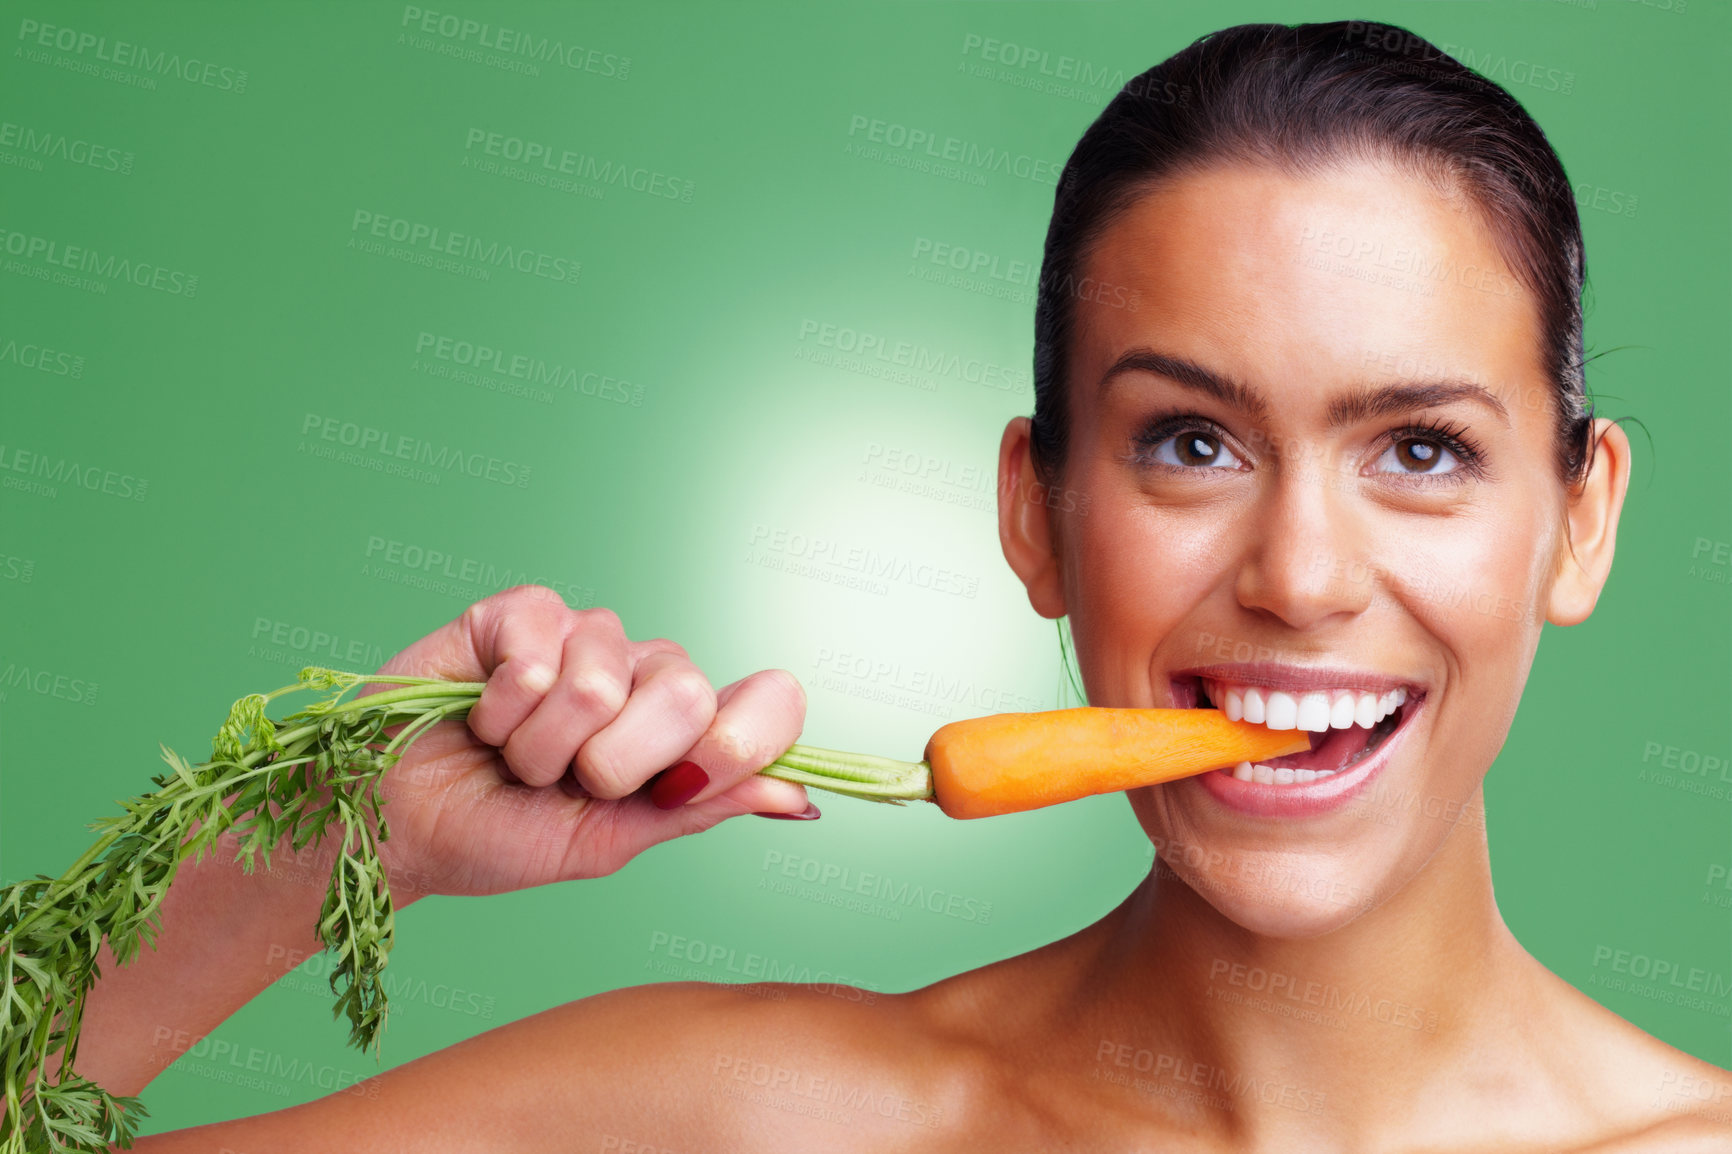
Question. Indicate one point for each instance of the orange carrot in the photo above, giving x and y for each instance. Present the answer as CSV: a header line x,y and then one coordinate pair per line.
x,y
1010,762
1017,761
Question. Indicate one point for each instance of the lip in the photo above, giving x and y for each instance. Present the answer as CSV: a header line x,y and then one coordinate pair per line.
x,y
1315,798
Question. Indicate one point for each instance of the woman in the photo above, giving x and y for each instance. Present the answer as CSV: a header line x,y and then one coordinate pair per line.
x,y
1338,469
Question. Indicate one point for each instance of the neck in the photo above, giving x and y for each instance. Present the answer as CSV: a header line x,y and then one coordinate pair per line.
x,y
1279,1036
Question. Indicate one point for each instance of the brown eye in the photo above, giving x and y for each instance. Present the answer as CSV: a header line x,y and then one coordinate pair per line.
x,y
1194,449
1417,455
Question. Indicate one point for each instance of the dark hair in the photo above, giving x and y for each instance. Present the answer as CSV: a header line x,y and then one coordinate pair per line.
x,y
1298,97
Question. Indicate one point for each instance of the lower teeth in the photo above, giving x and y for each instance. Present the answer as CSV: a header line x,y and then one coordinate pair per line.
x,y
1285,775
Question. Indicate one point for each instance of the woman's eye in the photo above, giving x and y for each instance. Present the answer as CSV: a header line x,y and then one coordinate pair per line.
x,y
1193,448
1420,455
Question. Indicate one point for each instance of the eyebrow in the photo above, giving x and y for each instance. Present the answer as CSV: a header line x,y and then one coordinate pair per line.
x,y
1344,409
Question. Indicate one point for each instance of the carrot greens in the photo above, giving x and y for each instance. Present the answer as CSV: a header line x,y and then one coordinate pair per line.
x,y
314,773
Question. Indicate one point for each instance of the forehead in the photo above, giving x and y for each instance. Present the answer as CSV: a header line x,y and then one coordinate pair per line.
x,y
1289,281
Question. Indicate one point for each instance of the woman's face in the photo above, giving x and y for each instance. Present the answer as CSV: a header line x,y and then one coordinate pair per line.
x,y
1311,465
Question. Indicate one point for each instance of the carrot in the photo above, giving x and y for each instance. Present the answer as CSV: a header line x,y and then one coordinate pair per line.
x,y
1010,762
1017,761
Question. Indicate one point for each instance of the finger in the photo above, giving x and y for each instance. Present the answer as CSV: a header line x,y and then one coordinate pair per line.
x,y
593,685
517,639
633,824
670,707
757,718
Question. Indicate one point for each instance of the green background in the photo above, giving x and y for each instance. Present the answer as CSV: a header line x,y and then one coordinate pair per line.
x,y
645,496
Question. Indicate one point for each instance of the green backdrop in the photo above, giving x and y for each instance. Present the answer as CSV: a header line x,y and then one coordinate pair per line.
x,y
269,269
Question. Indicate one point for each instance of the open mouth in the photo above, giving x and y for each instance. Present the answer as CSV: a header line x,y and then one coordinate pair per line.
x,y
1347,724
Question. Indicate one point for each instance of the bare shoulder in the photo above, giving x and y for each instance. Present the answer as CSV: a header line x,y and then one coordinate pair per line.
x,y
655,1069
780,1065
1664,1099
823,1066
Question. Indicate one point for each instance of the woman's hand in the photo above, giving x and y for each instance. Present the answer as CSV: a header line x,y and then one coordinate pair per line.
x,y
543,783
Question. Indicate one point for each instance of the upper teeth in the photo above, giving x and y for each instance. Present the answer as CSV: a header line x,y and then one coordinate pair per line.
x,y
1316,711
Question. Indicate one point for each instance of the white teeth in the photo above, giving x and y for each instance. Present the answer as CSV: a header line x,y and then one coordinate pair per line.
x,y
1365,712
1254,705
1282,709
1316,711
1284,775
1341,713
1313,712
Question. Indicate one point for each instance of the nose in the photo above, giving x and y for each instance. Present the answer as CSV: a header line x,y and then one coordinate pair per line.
x,y
1306,563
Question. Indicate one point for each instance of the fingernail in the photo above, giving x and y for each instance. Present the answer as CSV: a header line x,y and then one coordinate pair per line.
x,y
807,814
677,785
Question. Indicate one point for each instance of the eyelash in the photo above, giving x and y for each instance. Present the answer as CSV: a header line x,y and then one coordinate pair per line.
x,y
1450,436
1453,437
1164,429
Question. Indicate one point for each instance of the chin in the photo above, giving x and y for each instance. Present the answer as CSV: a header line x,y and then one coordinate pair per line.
x,y
1294,916
1272,891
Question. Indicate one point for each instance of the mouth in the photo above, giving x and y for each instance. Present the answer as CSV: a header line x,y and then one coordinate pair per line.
x,y
1351,717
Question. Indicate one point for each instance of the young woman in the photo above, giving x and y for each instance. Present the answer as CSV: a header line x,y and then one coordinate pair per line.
x,y
1339,470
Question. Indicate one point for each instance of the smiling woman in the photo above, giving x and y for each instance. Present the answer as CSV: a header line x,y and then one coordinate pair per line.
x,y
1334,473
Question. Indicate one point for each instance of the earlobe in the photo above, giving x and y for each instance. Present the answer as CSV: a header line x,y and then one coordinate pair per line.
x,y
1026,529
1591,521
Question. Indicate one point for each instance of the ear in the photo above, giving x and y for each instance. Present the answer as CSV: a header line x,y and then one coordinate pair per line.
x,y
1026,528
1585,560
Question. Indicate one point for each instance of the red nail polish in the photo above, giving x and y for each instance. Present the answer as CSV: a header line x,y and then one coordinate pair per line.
x,y
677,785
807,814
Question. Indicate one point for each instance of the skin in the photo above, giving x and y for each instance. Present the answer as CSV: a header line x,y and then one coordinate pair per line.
x,y
1133,1033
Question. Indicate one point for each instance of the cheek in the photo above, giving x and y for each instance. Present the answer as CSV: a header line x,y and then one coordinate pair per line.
x,y
1134,572
1476,583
